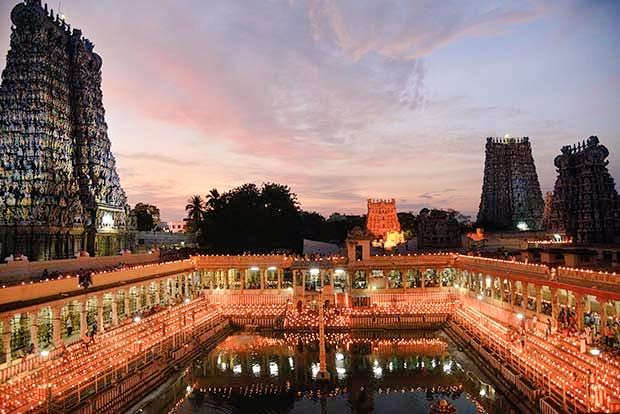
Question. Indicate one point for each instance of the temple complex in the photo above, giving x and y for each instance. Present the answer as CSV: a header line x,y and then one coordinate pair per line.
x,y
150,316
449,331
59,190
511,196
585,205
382,222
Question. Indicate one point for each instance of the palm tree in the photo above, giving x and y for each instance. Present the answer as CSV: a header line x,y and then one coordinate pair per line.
x,y
213,199
195,210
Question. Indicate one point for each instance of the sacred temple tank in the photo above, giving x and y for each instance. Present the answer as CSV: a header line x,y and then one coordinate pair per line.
x,y
59,189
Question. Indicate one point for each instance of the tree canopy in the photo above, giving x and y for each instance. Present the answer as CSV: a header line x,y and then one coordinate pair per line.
x,y
269,218
147,216
251,218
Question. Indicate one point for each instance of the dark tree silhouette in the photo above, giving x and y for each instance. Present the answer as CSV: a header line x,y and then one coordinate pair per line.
x,y
147,216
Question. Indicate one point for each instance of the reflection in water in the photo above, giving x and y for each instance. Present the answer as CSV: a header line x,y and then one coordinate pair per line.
x,y
275,374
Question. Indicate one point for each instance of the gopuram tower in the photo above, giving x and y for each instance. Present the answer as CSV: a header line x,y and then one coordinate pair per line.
x,y
511,197
382,222
586,205
59,190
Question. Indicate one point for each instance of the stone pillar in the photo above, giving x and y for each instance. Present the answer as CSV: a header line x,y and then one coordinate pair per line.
x,y
279,274
83,320
126,304
6,339
579,309
422,279
147,292
511,293
587,304
538,300
100,328
167,291
114,311
440,277
187,293
603,303
138,298
34,329
554,303
157,298
173,287
403,275
261,277
303,282
56,326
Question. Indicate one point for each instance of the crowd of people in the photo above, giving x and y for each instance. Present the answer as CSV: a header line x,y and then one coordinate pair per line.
x,y
591,332
84,275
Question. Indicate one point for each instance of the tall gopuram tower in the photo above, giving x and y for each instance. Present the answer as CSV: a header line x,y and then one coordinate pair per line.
x,y
59,190
382,222
511,197
586,205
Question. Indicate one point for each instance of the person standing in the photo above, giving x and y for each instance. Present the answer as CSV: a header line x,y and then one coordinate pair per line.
x,y
93,331
69,325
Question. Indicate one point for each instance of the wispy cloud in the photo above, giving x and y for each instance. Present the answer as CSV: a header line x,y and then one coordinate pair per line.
x,y
345,100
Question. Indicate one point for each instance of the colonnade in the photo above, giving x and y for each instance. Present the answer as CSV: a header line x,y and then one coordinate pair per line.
x,y
502,284
61,322
541,298
255,278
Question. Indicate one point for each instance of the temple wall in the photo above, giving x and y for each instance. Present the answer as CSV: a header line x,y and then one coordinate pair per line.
x,y
24,271
26,292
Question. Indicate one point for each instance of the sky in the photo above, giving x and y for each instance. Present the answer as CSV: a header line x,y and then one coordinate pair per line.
x,y
345,100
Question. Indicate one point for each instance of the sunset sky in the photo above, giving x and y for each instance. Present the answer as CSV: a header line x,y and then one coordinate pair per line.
x,y
345,100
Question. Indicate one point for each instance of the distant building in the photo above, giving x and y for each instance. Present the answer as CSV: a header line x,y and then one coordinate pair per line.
x,y
585,205
382,222
437,230
173,226
511,197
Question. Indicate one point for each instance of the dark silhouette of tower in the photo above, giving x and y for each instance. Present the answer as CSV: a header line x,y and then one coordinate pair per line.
x,y
59,190
511,197
585,205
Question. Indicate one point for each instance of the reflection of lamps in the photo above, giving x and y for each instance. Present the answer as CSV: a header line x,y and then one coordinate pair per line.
x,y
48,388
